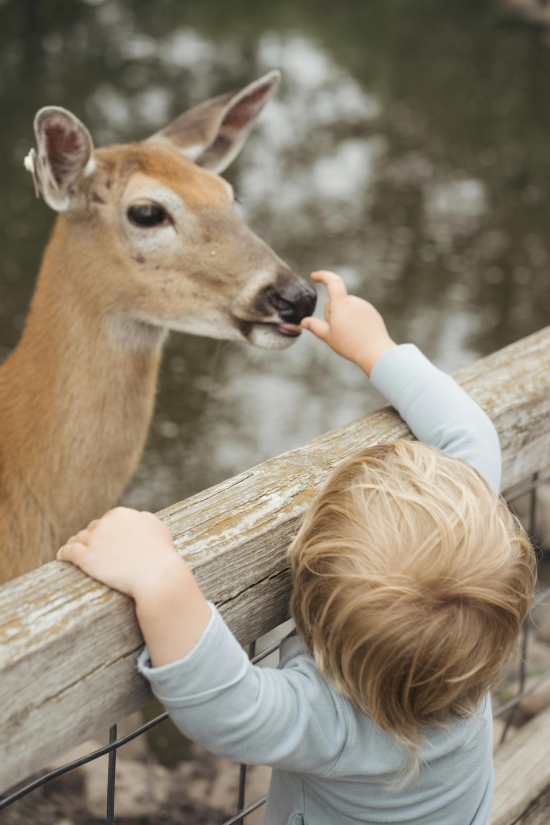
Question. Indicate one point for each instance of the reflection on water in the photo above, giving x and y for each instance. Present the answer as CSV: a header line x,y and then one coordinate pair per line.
x,y
408,149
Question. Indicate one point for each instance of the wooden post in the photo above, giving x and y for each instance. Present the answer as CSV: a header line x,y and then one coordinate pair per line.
x,y
522,775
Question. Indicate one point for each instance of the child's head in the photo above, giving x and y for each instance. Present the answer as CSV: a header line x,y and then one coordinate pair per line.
x,y
411,581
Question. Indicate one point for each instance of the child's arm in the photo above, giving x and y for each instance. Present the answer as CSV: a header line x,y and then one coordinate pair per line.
x,y
196,667
433,405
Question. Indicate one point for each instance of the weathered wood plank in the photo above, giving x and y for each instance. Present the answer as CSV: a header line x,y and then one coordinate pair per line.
x,y
522,773
68,645
538,812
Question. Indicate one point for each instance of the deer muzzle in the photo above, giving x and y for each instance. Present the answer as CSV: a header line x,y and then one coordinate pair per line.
x,y
275,313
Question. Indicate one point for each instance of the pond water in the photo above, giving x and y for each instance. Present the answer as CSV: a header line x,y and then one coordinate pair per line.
x,y
408,149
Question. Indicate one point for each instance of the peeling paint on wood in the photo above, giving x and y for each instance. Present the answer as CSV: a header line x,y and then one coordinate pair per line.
x,y
68,645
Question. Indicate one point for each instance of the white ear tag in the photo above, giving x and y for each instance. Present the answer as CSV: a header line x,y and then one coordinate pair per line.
x,y
29,164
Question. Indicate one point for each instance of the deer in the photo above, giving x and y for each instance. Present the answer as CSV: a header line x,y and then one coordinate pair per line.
x,y
146,240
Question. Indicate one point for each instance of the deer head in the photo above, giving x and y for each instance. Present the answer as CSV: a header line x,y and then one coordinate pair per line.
x,y
155,224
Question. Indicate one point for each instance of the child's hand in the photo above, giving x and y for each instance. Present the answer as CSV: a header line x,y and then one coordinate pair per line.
x,y
125,549
352,326
133,552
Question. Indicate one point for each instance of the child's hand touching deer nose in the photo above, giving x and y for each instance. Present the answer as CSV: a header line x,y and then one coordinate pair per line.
x,y
352,327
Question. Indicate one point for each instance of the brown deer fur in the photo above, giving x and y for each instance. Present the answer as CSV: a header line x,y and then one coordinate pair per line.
x,y
77,394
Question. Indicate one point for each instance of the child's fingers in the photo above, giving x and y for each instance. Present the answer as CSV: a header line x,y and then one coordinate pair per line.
x,y
83,537
336,288
71,551
318,327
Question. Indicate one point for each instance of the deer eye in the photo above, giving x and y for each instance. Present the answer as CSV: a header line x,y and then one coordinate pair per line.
x,y
147,215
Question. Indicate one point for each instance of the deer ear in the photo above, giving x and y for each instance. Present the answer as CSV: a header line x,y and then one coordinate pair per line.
x,y
65,152
213,133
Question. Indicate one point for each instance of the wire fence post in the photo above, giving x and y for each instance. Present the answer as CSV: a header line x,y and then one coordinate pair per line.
x,y
111,776
525,627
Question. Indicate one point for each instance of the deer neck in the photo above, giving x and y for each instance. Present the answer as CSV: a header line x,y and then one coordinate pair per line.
x,y
77,395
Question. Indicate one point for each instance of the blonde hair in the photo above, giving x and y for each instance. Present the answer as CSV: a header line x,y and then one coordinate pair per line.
x,y
411,581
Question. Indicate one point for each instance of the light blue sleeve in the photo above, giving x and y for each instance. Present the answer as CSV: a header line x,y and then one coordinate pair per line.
x,y
438,411
285,718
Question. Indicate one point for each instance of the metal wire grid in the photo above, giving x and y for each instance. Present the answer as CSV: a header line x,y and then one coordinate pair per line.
x,y
114,743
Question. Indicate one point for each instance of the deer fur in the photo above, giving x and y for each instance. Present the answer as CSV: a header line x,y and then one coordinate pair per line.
x,y
77,394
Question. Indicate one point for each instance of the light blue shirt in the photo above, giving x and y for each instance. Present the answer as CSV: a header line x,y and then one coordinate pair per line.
x,y
332,765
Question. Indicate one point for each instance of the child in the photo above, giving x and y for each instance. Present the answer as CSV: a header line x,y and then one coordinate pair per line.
x,y
411,581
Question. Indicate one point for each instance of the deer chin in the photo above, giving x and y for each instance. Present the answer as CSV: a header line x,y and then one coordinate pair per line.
x,y
270,335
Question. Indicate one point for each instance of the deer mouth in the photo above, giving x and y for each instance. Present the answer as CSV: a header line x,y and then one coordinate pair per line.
x,y
269,334
289,330
279,327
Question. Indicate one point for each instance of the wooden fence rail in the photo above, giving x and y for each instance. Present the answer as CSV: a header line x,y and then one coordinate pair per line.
x,y
68,645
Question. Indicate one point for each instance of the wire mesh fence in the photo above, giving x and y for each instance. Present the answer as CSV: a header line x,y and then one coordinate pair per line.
x,y
508,709
116,743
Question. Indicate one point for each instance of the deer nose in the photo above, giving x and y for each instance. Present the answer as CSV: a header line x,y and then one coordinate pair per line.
x,y
294,301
